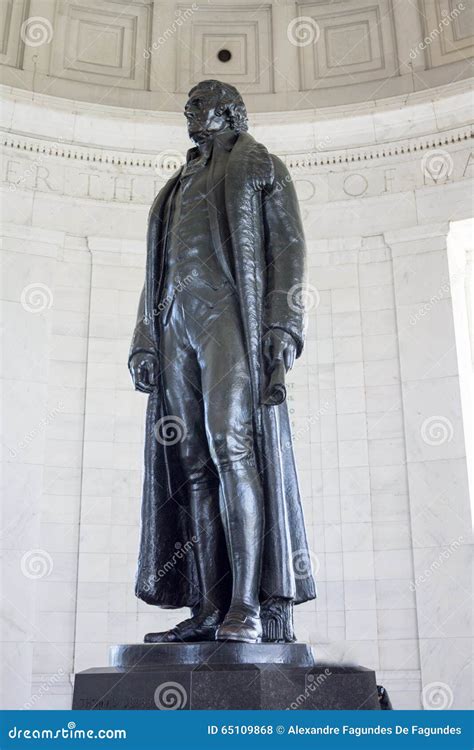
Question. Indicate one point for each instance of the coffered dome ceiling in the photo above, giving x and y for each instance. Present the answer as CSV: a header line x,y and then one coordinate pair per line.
x,y
282,55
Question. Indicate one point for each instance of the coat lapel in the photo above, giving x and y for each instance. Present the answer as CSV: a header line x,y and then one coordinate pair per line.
x,y
216,208
155,242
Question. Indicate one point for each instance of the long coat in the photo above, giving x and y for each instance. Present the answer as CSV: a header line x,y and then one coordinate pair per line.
x,y
267,270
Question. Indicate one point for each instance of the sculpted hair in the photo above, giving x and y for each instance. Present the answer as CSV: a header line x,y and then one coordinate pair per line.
x,y
229,100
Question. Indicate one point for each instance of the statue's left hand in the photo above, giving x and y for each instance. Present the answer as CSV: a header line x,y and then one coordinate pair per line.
x,y
278,345
143,368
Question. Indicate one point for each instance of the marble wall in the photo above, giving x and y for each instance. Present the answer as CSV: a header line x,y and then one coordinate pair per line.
x,y
376,400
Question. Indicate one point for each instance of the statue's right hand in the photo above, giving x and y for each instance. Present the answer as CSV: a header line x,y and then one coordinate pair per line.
x,y
143,368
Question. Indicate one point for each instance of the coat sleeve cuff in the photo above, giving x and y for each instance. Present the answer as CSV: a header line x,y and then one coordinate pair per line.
x,y
295,335
140,351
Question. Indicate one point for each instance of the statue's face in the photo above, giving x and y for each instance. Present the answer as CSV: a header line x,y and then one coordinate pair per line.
x,y
203,120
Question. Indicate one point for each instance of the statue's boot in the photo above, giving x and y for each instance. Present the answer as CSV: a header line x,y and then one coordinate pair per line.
x,y
242,515
189,631
212,569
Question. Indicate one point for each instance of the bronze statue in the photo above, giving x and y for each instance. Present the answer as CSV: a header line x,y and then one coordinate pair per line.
x,y
220,320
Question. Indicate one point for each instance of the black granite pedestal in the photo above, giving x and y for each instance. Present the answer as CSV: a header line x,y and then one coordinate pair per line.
x,y
220,676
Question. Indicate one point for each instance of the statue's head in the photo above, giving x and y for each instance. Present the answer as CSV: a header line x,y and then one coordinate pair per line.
x,y
212,107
